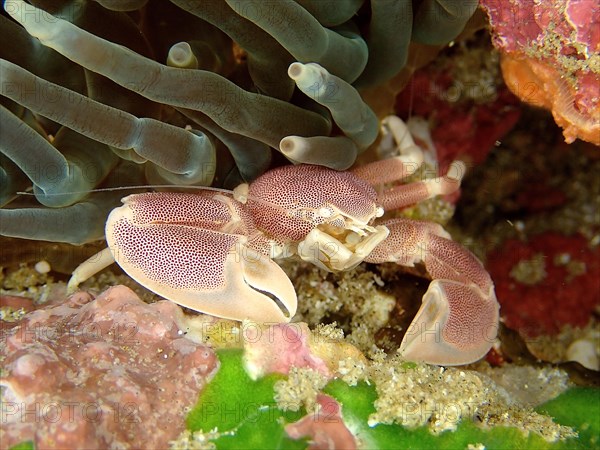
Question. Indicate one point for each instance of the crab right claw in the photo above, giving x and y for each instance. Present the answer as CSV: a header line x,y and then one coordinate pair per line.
x,y
455,325
458,319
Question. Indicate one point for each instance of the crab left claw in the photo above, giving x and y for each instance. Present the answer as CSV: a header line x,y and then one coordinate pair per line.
x,y
203,264
458,319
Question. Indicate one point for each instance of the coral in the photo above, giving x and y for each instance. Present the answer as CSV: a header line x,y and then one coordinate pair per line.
x,y
278,348
100,373
238,411
196,93
326,427
551,58
532,183
538,196
539,295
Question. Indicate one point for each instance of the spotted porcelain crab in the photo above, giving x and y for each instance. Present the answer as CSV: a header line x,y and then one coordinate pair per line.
x,y
213,251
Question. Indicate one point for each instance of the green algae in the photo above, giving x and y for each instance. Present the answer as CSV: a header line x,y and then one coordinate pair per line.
x,y
357,405
235,411
241,410
579,407
23,446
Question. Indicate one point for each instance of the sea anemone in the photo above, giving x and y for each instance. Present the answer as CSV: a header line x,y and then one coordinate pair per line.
x,y
127,93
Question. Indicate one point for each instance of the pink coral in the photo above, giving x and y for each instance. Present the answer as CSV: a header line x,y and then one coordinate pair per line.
x,y
551,58
277,348
280,347
110,372
326,428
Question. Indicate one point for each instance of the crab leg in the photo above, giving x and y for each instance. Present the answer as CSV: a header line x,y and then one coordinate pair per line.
x,y
458,319
89,268
411,193
398,167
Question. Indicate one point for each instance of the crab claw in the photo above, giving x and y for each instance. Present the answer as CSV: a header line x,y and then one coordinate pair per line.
x,y
158,242
458,319
455,325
